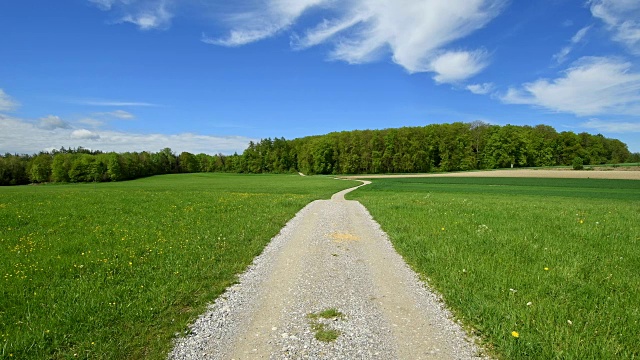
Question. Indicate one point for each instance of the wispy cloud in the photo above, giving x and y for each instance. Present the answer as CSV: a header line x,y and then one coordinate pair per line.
x,y
120,114
592,86
104,4
113,103
94,123
481,89
52,122
145,14
612,126
262,20
562,55
622,17
99,119
7,103
414,32
154,17
84,134
28,137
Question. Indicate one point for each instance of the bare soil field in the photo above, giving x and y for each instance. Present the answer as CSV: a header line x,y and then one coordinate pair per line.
x,y
630,173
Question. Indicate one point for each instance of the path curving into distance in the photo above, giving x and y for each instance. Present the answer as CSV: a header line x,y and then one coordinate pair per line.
x,y
331,255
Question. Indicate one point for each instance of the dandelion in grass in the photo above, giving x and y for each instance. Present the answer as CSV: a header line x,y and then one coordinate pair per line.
x,y
546,269
515,334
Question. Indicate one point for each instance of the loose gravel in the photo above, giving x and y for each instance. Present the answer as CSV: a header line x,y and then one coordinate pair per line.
x,y
332,255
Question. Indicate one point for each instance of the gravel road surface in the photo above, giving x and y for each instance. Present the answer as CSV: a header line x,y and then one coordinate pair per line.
x,y
332,255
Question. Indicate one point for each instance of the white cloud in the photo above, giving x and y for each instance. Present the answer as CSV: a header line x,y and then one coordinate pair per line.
x,y
6,102
114,103
121,114
52,122
266,19
103,4
26,137
580,34
592,86
480,89
612,126
157,17
456,66
561,56
94,123
414,32
622,17
84,134
146,14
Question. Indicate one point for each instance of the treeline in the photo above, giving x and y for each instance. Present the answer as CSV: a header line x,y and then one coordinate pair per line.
x,y
437,147
82,165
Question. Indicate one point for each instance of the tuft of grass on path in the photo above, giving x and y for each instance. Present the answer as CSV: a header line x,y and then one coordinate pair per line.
x,y
537,268
323,332
114,270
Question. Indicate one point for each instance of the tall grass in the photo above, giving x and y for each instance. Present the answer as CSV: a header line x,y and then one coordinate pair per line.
x,y
537,268
114,270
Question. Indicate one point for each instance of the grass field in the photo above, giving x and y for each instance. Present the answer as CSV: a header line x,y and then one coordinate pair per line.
x,y
114,270
537,268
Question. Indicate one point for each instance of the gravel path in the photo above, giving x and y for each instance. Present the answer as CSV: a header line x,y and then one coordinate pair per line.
x,y
332,255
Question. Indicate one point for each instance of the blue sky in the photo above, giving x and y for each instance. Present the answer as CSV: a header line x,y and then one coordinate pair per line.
x,y
210,76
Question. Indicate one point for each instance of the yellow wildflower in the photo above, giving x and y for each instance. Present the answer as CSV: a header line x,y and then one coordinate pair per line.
x,y
515,334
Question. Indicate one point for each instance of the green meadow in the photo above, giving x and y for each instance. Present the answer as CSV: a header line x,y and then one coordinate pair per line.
x,y
536,268
115,270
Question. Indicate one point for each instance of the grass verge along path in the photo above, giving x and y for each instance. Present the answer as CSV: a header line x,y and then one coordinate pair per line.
x,y
114,270
537,268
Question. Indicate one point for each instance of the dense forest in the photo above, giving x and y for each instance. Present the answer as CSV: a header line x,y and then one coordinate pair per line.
x,y
437,147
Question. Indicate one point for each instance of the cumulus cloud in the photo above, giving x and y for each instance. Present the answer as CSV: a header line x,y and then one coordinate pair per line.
x,y
592,86
52,122
6,102
414,32
480,89
27,137
456,66
622,17
562,55
612,126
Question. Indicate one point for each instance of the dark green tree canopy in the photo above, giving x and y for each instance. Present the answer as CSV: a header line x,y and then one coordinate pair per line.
x,y
437,147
